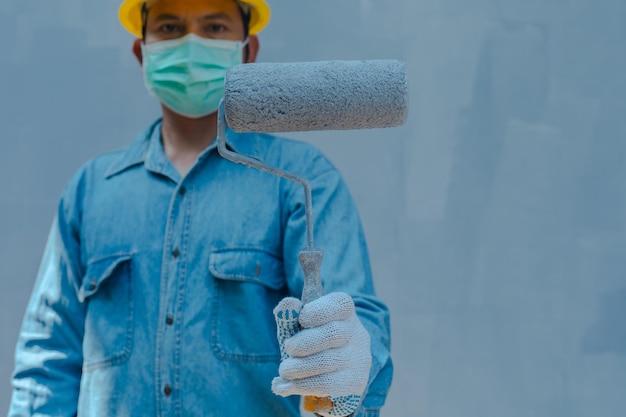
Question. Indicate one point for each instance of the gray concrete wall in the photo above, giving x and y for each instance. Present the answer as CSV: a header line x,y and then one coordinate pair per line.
x,y
496,217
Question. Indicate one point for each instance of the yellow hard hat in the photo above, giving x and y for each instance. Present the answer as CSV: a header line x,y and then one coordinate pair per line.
x,y
130,15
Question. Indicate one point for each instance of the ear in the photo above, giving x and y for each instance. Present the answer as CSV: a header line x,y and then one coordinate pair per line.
x,y
137,51
253,49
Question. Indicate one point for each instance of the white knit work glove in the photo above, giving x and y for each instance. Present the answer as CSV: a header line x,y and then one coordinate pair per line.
x,y
325,352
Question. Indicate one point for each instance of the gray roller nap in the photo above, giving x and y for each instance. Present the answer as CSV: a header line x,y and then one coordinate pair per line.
x,y
332,95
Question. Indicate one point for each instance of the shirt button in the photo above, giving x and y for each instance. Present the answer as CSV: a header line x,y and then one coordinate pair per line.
x,y
176,253
169,320
182,191
92,285
167,390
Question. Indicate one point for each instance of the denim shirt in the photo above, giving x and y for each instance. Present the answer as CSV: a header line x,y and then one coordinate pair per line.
x,y
155,293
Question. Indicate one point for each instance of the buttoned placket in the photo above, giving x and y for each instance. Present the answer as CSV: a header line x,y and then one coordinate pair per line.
x,y
173,283
173,278
172,293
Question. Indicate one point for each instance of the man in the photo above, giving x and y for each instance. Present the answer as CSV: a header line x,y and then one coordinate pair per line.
x,y
165,261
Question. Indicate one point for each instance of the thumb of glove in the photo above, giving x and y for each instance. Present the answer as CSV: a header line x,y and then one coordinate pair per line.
x,y
287,315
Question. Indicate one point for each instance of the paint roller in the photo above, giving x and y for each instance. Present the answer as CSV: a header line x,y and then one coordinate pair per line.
x,y
295,97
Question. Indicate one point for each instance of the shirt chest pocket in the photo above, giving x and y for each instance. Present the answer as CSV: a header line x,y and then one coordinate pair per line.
x,y
107,290
248,285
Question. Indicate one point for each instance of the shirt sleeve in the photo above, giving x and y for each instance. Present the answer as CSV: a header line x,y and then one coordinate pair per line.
x,y
48,357
345,267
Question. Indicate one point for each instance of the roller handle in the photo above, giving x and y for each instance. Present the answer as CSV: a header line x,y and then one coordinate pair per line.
x,y
311,262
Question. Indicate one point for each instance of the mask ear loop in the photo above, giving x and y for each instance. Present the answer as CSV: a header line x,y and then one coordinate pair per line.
x,y
244,48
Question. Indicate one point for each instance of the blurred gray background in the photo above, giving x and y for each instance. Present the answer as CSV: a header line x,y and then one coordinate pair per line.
x,y
496,217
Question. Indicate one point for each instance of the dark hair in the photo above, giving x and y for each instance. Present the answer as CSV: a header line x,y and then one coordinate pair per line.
x,y
245,17
243,11
144,20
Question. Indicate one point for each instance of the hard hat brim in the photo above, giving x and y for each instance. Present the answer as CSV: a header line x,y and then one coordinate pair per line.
x,y
130,15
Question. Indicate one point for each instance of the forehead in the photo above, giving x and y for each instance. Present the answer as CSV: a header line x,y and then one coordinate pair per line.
x,y
193,7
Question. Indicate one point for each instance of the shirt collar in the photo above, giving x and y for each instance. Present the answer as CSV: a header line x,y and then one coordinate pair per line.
x,y
135,154
147,149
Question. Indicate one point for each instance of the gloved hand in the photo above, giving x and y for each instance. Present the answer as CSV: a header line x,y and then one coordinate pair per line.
x,y
325,351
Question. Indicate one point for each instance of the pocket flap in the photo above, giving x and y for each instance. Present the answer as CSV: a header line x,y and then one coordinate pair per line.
x,y
249,265
99,271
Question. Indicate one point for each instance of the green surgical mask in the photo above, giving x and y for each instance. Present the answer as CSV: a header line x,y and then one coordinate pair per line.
x,y
187,74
